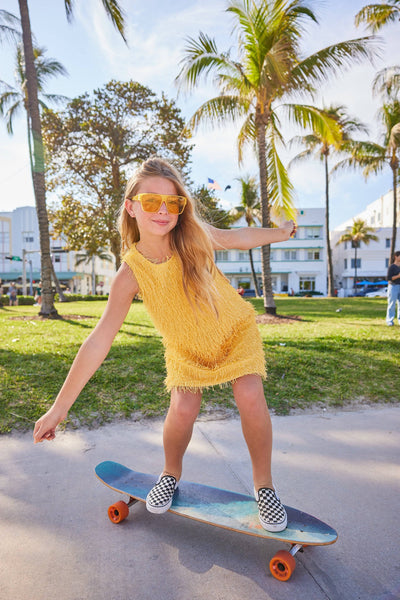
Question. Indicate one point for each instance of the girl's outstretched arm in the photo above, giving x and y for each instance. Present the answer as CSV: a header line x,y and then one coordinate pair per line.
x,y
91,354
245,238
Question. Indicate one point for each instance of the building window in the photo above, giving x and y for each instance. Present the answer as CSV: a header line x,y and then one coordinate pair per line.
x,y
221,255
313,255
387,263
273,255
57,258
290,254
388,240
353,265
28,239
243,255
307,284
345,263
313,233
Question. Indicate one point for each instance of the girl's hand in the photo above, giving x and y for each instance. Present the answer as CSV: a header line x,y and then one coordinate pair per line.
x,y
45,427
290,227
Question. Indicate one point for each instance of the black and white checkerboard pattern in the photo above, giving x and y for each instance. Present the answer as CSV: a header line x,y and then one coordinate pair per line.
x,y
270,508
161,494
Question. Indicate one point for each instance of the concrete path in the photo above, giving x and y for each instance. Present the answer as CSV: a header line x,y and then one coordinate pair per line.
x,y
56,540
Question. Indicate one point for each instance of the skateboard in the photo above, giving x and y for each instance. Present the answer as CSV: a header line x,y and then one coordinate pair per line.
x,y
222,508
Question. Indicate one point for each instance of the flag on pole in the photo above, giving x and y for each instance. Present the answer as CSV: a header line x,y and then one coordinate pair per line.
x,y
213,185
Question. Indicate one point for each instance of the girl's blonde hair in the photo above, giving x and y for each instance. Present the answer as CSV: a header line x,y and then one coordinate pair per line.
x,y
189,240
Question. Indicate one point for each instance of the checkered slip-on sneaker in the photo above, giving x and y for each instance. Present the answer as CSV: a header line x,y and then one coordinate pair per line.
x,y
159,499
271,512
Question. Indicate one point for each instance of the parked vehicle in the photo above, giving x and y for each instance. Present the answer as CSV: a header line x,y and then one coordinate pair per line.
x,y
380,293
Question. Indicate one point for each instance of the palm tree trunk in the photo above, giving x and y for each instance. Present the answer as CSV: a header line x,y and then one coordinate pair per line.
x,y
93,276
328,241
394,225
269,303
253,272
355,267
47,307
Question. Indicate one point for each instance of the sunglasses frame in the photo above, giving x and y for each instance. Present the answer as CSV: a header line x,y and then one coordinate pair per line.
x,y
163,199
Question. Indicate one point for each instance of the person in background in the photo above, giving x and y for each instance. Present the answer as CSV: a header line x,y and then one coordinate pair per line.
x,y
393,278
12,294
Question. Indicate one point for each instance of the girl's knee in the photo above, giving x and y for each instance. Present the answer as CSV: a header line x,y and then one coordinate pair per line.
x,y
185,406
249,396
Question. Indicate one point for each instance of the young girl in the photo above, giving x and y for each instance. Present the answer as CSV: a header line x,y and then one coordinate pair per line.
x,y
209,332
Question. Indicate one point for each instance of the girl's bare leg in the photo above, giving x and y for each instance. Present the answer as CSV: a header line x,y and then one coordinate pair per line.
x,y
178,428
256,425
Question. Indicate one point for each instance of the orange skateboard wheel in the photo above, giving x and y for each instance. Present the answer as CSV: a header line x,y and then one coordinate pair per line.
x,y
118,512
282,565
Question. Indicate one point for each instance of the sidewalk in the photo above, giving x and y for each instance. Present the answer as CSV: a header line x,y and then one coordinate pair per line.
x,y
56,540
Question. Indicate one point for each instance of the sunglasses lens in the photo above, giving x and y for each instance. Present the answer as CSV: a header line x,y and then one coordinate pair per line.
x,y
150,202
175,204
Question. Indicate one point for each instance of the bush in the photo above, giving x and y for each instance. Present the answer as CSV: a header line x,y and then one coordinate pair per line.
x,y
80,297
22,300
308,294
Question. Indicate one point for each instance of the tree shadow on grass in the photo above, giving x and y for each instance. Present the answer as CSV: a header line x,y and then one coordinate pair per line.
x,y
130,380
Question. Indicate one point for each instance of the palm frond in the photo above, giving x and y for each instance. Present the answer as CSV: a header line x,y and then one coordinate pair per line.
x,y
317,120
217,111
280,187
201,58
387,82
247,137
376,16
10,27
300,157
332,60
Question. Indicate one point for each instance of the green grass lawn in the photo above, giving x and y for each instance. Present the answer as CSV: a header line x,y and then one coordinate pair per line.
x,y
327,357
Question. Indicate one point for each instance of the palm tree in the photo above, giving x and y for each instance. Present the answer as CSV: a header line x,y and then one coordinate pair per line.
x,y
357,234
116,15
250,209
9,27
89,257
318,145
14,99
373,157
267,70
376,16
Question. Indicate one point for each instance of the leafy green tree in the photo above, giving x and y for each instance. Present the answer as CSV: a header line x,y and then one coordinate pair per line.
x,y
357,234
250,209
255,84
115,13
319,146
375,16
207,206
91,144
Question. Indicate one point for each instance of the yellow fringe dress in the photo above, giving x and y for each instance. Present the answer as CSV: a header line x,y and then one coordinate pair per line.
x,y
201,349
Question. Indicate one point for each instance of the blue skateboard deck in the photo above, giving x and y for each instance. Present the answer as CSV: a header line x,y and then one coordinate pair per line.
x,y
222,508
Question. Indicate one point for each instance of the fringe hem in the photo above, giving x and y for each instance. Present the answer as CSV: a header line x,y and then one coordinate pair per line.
x,y
201,388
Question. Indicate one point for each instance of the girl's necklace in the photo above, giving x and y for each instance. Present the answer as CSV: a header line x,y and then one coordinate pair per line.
x,y
156,261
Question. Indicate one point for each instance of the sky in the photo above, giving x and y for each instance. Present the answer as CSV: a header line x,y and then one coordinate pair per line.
x,y
93,53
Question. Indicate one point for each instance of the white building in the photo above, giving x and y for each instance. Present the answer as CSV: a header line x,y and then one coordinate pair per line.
x,y
298,264
19,231
372,260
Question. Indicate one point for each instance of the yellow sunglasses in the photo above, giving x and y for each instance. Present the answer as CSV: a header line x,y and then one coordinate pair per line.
x,y
152,202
